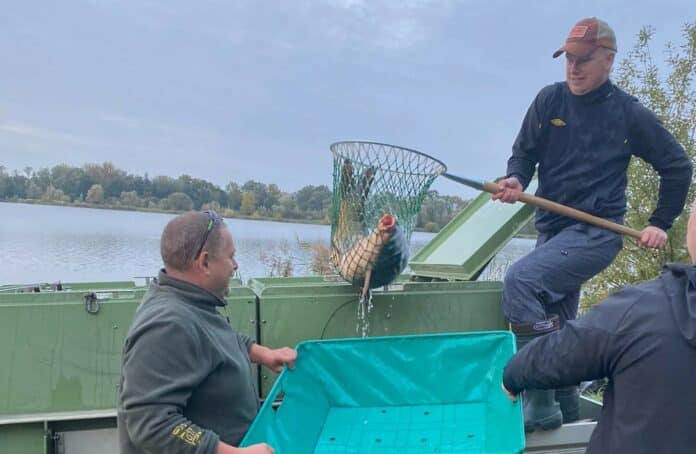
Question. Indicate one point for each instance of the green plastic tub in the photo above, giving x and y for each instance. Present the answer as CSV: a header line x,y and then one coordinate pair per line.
x,y
437,393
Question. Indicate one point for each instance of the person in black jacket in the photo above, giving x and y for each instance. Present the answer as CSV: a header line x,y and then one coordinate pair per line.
x,y
643,338
582,134
186,382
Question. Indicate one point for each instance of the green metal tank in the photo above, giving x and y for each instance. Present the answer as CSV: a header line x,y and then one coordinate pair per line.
x,y
61,354
297,309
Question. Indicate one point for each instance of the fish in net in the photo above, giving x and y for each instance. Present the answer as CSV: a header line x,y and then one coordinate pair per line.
x,y
377,193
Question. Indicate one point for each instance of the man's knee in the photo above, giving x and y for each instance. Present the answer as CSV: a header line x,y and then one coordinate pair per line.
x,y
512,275
519,281
521,301
522,310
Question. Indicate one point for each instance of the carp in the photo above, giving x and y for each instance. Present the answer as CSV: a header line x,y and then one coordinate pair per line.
x,y
377,258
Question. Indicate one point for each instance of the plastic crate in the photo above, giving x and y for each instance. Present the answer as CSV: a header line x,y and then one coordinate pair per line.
x,y
436,393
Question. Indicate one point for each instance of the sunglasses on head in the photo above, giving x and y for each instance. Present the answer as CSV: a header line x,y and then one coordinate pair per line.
x,y
213,220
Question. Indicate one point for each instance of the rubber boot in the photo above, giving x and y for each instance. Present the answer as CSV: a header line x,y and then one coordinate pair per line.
x,y
569,400
541,411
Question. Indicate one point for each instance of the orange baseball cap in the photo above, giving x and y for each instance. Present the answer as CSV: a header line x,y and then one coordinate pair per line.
x,y
586,36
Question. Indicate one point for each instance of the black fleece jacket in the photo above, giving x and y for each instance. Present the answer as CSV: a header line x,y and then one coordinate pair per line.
x,y
186,379
643,339
583,145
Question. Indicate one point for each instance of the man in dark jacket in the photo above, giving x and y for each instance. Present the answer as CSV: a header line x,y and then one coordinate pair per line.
x,y
582,134
186,381
643,338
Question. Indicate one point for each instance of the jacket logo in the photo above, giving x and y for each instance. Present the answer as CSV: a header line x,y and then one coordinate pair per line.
x,y
543,325
558,122
185,433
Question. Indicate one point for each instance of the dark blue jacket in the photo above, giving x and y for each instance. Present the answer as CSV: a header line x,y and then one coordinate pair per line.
x,y
643,339
583,145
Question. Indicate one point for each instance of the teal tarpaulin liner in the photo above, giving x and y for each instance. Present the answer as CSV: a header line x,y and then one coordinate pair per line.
x,y
438,393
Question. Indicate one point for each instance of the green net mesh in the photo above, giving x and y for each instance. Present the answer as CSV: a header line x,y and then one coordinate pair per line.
x,y
371,180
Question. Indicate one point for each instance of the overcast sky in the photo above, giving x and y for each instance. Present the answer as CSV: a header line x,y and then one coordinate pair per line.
x,y
239,90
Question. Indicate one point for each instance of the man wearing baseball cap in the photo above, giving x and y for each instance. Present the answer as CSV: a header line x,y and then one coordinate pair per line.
x,y
581,134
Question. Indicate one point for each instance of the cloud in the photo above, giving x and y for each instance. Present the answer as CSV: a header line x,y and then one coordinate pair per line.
x,y
16,128
34,132
383,24
121,120
165,131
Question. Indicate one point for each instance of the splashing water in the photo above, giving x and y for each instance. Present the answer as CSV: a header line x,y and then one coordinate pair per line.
x,y
364,309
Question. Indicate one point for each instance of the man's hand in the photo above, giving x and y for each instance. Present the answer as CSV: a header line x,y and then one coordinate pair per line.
x,y
280,357
274,359
652,237
510,190
259,448
508,394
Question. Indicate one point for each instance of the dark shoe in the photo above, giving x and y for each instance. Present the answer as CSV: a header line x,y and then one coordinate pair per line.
x,y
569,400
541,411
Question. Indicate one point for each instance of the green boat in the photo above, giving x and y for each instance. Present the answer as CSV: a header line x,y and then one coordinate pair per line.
x,y
60,348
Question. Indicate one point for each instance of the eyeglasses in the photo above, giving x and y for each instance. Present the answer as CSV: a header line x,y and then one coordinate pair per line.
x,y
213,220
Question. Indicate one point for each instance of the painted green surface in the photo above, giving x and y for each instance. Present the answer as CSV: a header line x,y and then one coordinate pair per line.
x,y
290,314
71,296
58,357
464,247
74,286
22,439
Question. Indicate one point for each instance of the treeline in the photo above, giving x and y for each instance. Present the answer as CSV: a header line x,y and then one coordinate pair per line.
x,y
108,186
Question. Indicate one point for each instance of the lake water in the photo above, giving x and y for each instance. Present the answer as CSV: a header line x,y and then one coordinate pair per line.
x,y
42,243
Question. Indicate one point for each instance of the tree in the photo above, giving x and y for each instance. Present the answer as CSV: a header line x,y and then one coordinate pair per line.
x,y
55,195
234,195
673,99
12,186
313,200
111,178
42,178
34,191
212,205
131,199
95,194
200,191
163,186
437,210
73,181
248,203
178,201
260,192
273,195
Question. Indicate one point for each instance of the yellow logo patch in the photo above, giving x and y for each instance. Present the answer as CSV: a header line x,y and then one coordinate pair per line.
x,y
185,433
558,122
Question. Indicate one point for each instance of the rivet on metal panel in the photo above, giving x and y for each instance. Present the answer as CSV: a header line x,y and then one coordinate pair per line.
x,y
263,322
